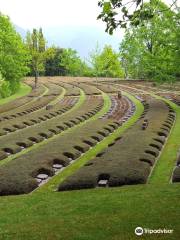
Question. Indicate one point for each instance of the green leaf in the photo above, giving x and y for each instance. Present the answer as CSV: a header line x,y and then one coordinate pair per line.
x,y
107,7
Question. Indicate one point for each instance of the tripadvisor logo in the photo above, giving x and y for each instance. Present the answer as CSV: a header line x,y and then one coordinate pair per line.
x,y
140,231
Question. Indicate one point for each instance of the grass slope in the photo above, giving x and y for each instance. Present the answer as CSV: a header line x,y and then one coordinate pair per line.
x,y
33,147
90,154
166,163
61,96
86,157
108,214
163,169
24,90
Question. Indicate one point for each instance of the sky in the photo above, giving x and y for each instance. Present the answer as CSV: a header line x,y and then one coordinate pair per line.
x,y
65,23
45,13
50,13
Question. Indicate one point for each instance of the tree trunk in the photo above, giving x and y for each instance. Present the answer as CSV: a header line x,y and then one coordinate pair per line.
x,y
125,72
36,78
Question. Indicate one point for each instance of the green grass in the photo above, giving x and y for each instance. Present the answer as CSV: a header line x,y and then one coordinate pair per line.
x,y
24,90
90,154
165,164
108,214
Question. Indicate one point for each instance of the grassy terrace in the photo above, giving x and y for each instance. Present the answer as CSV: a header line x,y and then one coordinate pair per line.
x,y
46,90
165,164
108,214
61,96
162,170
13,106
56,147
24,90
11,157
52,184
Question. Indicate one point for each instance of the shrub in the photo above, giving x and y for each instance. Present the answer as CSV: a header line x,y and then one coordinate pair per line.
x,y
5,90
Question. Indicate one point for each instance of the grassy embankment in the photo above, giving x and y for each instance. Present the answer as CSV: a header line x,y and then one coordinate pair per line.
x,y
23,90
33,147
51,185
163,168
167,160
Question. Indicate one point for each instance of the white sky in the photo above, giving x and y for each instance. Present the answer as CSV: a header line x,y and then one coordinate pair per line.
x,y
49,13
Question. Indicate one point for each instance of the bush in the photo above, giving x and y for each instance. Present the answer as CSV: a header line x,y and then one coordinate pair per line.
x,y
14,86
5,90
8,88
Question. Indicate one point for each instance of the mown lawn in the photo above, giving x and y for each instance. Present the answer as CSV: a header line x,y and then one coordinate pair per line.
x,y
108,214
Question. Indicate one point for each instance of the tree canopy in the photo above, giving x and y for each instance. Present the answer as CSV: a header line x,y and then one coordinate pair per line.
x,y
53,58
106,63
71,62
13,57
122,13
151,49
36,45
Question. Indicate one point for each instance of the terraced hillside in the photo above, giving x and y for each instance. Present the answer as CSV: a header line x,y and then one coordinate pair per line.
x,y
75,135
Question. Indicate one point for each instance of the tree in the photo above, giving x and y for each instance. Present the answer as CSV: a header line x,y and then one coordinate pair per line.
x,y
121,13
41,41
106,63
176,62
4,87
53,62
71,62
86,70
36,44
13,56
149,49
